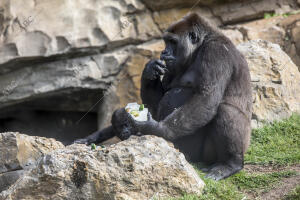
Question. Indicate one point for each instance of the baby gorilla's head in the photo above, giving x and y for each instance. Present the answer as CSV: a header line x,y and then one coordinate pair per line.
x,y
121,125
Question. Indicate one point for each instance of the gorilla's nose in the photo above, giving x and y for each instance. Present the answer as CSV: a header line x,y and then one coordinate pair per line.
x,y
164,54
125,133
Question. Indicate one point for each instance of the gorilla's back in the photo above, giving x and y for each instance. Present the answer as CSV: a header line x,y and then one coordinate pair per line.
x,y
238,92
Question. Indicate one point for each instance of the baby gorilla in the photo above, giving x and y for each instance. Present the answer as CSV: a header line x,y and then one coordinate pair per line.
x,y
121,127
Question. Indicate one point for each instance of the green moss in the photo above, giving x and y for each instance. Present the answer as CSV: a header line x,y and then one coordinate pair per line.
x,y
269,15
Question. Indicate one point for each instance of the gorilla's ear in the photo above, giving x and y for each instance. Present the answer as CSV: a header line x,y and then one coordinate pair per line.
x,y
114,118
193,37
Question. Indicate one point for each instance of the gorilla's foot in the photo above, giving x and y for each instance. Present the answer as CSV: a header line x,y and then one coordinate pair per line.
x,y
221,171
206,168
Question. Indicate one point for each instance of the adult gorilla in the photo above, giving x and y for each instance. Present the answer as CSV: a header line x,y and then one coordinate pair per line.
x,y
203,103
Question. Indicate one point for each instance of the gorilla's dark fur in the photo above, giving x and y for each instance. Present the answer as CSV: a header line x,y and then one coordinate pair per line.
x,y
203,103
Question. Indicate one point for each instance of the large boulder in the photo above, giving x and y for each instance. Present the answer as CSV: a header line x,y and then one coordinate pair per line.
x,y
282,30
32,30
275,81
227,11
139,168
242,11
19,152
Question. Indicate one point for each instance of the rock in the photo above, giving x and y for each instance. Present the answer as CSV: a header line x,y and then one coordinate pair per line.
x,y
9,178
275,81
146,26
60,78
281,30
94,25
138,168
235,35
292,44
237,12
163,5
19,152
165,18
228,11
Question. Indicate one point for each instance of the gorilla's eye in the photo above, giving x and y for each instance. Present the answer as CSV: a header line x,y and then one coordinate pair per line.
x,y
173,41
193,37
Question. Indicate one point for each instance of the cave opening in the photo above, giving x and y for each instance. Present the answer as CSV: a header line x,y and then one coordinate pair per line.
x,y
64,117
60,125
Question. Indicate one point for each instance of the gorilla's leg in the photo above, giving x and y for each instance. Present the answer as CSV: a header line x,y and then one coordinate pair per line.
x,y
97,137
231,130
191,146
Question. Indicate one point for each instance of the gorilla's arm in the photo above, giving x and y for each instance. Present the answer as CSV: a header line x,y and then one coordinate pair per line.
x,y
98,136
214,68
151,85
151,94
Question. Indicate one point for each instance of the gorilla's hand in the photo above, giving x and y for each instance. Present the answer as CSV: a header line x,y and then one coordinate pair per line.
x,y
121,116
140,126
153,69
150,119
97,137
86,141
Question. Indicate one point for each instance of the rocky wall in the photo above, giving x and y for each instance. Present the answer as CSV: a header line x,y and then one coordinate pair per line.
x,y
66,65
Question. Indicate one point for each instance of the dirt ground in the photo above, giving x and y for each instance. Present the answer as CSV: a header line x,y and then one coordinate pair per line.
x,y
281,189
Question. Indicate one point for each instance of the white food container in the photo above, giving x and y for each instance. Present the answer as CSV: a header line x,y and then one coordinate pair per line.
x,y
134,110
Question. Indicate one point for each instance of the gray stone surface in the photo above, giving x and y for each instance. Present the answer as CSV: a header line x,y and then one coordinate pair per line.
x,y
275,81
19,152
9,178
144,167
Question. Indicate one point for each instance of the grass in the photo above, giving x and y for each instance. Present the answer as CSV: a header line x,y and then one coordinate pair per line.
x,y
236,187
294,194
223,189
275,144
262,181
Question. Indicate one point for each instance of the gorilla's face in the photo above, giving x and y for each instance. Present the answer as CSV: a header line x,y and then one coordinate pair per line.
x,y
182,41
121,125
180,48
169,55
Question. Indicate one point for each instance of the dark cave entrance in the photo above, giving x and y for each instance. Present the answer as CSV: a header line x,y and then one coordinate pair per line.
x,y
55,116
59,125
